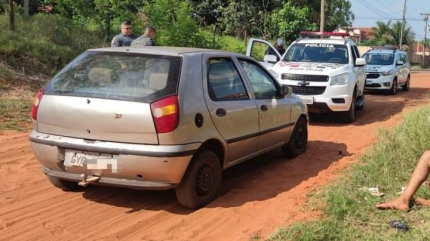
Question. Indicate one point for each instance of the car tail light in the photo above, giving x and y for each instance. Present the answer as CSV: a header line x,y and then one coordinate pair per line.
x,y
36,103
165,113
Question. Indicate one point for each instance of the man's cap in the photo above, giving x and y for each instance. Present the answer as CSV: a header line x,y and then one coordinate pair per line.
x,y
280,42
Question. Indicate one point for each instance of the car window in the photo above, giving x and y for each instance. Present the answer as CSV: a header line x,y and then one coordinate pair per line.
x,y
262,84
403,58
317,52
224,82
379,58
120,76
357,52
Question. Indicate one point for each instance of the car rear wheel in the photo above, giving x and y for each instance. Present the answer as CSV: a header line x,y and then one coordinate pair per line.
x,y
393,89
298,141
63,184
405,87
201,182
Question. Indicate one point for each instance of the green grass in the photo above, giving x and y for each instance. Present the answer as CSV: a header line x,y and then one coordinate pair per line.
x,y
44,43
348,212
15,114
416,67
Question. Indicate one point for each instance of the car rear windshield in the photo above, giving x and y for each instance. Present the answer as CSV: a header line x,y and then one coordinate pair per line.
x,y
119,76
317,52
379,58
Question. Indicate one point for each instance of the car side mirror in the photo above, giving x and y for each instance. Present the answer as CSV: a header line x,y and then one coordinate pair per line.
x,y
286,90
400,62
270,59
360,62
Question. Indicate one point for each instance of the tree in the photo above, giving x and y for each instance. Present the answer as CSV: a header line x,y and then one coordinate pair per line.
x,y
174,23
337,12
288,21
408,35
101,13
389,33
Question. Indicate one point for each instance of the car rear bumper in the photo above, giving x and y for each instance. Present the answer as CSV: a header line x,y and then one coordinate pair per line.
x,y
130,165
110,181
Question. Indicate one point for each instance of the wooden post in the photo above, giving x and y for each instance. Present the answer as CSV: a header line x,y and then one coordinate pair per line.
x,y
11,16
322,17
26,8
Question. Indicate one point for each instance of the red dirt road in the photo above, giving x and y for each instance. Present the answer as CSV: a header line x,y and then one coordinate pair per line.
x,y
257,197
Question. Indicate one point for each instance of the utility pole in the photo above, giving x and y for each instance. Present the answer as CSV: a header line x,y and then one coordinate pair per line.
x,y
403,26
322,13
11,16
26,8
426,18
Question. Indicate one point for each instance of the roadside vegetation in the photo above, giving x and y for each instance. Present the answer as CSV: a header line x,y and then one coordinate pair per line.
x,y
347,207
15,114
56,31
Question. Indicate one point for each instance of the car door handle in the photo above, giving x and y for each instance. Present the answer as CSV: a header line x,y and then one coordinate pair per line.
x,y
221,112
263,108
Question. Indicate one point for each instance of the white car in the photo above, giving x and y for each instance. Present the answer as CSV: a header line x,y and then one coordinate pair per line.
x,y
387,69
328,74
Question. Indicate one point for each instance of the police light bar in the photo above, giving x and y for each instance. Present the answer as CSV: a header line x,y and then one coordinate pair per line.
x,y
388,46
312,33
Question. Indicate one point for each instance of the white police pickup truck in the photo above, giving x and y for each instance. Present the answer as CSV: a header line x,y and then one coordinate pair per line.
x,y
328,74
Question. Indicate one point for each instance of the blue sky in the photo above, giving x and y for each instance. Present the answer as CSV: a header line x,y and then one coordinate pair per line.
x,y
368,12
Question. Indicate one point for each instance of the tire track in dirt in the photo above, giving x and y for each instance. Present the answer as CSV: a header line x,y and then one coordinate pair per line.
x,y
257,196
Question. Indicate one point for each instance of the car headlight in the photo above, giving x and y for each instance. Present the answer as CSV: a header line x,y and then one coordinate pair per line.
x,y
274,74
341,79
387,72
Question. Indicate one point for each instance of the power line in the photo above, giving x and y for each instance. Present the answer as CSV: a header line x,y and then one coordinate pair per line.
x,y
374,10
380,4
398,19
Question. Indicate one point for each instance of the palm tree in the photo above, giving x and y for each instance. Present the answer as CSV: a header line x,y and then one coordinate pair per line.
x,y
408,34
388,33
382,33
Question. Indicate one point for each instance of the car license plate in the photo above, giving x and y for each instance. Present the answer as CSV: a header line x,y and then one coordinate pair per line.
x,y
79,159
307,100
368,82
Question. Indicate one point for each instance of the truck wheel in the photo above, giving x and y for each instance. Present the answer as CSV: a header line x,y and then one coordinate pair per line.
x,y
405,87
63,184
298,141
349,116
361,107
201,182
393,89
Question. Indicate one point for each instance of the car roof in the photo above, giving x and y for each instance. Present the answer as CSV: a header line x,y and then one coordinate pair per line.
x,y
386,51
163,50
324,40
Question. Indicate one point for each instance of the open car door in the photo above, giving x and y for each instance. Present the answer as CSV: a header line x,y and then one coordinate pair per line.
x,y
257,49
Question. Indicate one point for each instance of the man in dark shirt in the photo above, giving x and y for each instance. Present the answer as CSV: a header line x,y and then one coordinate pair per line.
x,y
279,45
125,37
147,39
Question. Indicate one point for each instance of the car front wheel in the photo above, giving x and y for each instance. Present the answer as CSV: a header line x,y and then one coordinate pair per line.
x,y
201,182
405,87
298,140
349,116
393,89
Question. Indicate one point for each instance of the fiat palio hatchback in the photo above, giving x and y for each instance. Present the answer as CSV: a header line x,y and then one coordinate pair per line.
x,y
160,118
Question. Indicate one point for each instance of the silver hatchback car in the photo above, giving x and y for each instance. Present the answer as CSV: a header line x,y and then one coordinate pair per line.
x,y
160,118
